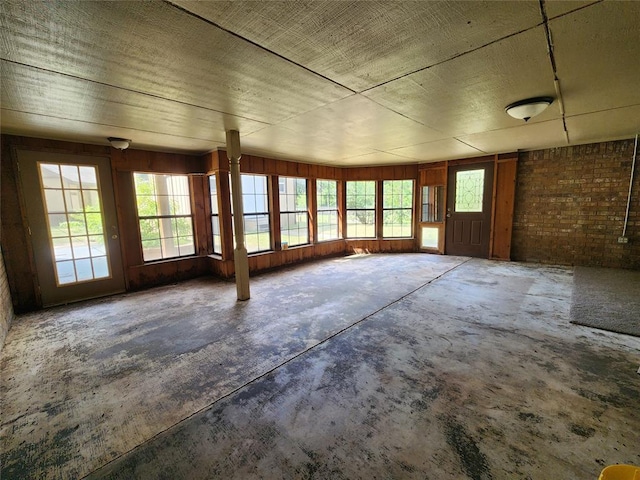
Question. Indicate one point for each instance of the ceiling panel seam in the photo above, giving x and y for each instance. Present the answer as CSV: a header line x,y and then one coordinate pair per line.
x,y
552,60
604,110
458,55
105,124
581,7
255,44
469,145
125,89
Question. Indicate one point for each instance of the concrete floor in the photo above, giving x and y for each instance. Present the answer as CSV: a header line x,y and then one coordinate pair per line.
x,y
377,366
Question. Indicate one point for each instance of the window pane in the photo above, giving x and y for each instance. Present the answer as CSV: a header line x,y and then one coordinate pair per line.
x,y
217,239
361,194
361,224
257,233
84,269
50,175
58,225
213,190
327,225
54,200
70,178
62,248
80,247
430,237
66,272
100,269
94,223
88,178
73,200
150,229
327,194
397,223
469,190
165,201
295,228
433,203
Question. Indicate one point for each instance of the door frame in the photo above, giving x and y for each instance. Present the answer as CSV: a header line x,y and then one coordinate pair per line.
x,y
34,211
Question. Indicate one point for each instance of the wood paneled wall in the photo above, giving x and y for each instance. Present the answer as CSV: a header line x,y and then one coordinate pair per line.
x,y
19,258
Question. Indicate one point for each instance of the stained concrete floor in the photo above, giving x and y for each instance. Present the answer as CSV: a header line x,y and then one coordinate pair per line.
x,y
377,366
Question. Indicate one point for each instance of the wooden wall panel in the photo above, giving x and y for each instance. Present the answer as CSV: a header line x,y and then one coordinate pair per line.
x,y
161,273
268,166
127,219
399,172
157,162
16,246
380,246
201,210
14,236
504,205
434,175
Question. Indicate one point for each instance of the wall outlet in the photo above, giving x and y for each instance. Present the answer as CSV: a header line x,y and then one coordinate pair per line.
x,y
623,239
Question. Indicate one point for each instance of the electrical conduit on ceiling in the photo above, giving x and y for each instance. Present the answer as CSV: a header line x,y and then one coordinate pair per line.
x,y
552,59
626,216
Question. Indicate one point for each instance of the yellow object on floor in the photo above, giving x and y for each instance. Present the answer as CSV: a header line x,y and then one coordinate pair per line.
x,y
620,472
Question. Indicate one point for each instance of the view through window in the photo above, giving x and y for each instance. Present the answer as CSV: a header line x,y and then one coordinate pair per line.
x,y
294,214
327,218
164,214
397,206
361,209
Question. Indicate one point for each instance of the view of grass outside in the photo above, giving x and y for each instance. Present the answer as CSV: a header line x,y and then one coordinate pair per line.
x,y
164,213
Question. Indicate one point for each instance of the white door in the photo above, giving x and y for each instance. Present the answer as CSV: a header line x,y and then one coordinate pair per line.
x,y
72,218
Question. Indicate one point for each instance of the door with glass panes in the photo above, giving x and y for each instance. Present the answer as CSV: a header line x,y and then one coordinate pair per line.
x,y
468,226
72,219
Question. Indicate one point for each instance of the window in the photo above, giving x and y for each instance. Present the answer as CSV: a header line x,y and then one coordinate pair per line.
x,y
361,209
294,213
433,213
164,212
432,204
74,216
397,205
469,190
215,215
327,219
255,205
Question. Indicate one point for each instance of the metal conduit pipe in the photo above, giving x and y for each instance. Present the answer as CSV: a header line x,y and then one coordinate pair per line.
x,y
624,239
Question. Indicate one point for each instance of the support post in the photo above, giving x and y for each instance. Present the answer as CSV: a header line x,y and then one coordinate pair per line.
x,y
240,258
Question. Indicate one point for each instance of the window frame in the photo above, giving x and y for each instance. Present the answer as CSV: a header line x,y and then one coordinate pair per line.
x,y
323,210
255,214
386,209
283,182
161,216
215,215
371,209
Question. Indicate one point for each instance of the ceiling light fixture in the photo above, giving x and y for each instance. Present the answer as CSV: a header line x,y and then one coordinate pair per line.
x,y
525,109
119,143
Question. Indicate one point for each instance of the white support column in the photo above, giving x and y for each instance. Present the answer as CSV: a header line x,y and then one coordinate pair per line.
x,y
240,259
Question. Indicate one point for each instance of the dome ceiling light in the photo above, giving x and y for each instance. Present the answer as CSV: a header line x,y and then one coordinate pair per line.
x,y
525,109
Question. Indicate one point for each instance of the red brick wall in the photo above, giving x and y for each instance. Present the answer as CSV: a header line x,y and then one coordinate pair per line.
x,y
570,206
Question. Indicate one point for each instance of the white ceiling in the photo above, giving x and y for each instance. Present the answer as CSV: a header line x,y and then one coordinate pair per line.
x,y
335,82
